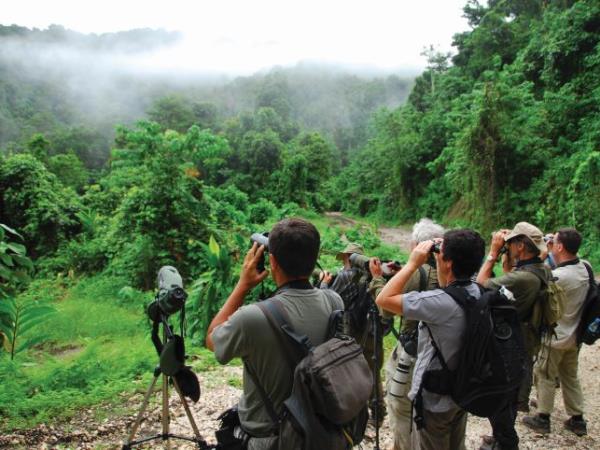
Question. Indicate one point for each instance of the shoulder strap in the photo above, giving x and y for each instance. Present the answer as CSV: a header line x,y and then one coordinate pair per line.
x,y
422,279
265,397
279,322
543,278
295,346
438,352
590,272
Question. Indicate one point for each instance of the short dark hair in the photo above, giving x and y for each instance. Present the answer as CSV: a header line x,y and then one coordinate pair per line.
x,y
295,245
465,248
570,238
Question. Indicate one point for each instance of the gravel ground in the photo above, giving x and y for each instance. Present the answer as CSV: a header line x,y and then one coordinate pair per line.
x,y
218,394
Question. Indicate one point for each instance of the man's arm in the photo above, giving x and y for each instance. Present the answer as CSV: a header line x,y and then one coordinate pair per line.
x,y
485,273
390,297
249,277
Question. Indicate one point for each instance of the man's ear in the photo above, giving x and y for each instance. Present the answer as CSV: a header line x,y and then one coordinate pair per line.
x,y
273,263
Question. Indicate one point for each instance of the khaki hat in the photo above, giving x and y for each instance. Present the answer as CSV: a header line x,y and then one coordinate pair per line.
x,y
531,231
351,248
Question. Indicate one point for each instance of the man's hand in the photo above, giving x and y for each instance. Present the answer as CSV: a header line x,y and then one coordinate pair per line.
x,y
420,254
325,277
249,276
498,242
375,267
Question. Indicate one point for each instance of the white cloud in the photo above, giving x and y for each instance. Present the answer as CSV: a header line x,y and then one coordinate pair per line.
x,y
247,35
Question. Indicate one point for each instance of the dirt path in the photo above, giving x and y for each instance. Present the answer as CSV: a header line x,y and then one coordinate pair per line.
x,y
400,236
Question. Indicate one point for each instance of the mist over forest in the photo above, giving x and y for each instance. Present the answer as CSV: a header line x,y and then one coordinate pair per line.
x,y
113,164
64,85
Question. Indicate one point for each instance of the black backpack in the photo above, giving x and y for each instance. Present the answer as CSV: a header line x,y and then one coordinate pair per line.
x,y
357,301
591,311
491,360
327,408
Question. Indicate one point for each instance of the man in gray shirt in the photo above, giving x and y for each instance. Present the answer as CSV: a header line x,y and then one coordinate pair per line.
x,y
559,357
244,331
443,321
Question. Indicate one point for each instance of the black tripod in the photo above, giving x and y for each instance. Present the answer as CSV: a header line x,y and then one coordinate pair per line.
x,y
375,328
165,435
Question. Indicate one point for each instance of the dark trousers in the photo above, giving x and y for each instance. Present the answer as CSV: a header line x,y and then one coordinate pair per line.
x,y
503,424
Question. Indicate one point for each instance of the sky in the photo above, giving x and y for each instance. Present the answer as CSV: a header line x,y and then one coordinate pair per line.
x,y
244,36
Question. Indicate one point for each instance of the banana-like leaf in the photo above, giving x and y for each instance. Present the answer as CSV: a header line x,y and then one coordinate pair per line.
x,y
213,246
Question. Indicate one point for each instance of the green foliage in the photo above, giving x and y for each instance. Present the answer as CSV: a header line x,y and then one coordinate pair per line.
x,y
261,211
69,169
19,321
210,290
509,132
34,201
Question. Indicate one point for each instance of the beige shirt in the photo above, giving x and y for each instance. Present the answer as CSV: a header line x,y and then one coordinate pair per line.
x,y
574,280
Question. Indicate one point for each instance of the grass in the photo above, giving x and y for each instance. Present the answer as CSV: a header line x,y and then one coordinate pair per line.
x,y
98,346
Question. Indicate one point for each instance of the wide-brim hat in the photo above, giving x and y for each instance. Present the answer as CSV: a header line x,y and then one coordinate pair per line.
x,y
532,232
349,249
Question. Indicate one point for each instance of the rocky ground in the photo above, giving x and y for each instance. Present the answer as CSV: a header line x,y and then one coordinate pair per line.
x,y
106,427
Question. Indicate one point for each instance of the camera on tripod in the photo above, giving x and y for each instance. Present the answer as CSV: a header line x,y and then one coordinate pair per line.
x,y
170,297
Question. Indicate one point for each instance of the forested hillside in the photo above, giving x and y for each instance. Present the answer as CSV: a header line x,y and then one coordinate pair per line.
x,y
508,129
75,88
108,173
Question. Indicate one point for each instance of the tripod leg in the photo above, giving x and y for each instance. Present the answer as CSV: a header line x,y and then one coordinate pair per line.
x,y
187,410
165,412
138,419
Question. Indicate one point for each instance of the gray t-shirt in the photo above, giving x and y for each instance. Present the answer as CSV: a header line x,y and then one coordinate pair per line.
x,y
574,279
447,322
248,335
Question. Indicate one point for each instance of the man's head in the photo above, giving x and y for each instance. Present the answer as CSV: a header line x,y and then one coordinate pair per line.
x,y
525,241
426,230
461,254
351,248
565,244
293,249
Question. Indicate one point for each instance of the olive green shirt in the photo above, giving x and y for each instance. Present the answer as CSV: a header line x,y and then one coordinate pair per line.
x,y
413,284
248,335
524,285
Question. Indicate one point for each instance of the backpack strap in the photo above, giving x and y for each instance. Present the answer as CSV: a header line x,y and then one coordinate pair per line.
x,y
422,279
590,273
279,322
265,397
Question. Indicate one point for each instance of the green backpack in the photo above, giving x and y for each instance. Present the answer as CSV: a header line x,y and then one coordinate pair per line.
x,y
549,307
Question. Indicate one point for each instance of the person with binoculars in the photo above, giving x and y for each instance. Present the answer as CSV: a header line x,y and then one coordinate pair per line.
x,y
440,423
400,364
244,331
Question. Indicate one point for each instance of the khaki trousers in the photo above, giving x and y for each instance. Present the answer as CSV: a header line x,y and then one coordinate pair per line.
x,y
562,364
443,431
399,408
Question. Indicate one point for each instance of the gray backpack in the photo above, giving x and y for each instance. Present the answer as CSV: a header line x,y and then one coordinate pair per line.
x,y
327,407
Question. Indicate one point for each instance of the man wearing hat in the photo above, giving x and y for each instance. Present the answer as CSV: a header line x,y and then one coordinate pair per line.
x,y
351,283
523,271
